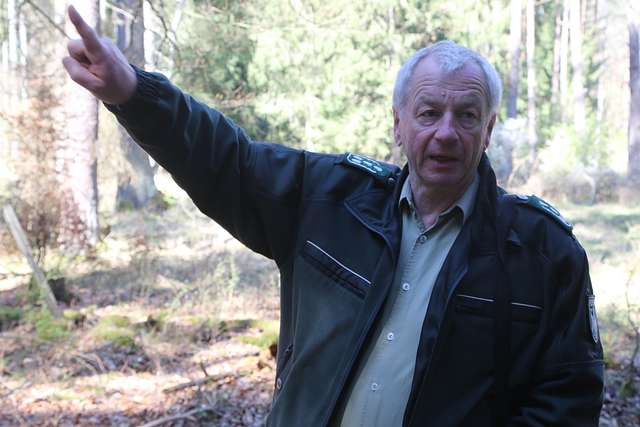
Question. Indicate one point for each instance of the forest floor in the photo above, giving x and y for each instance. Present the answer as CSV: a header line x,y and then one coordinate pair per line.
x,y
172,322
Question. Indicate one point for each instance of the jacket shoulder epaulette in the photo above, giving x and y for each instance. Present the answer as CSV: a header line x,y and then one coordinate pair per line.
x,y
379,170
546,208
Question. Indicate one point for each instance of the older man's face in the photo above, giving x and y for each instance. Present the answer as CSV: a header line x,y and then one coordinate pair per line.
x,y
444,126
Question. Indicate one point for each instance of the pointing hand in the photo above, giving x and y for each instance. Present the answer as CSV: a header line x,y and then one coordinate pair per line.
x,y
98,65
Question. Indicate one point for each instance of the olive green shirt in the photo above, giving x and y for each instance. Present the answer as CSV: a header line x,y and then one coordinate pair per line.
x,y
380,392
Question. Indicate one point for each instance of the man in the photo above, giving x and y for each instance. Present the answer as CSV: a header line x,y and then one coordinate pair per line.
x,y
416,297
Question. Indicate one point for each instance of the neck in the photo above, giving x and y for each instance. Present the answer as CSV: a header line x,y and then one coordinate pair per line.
x,y
430,202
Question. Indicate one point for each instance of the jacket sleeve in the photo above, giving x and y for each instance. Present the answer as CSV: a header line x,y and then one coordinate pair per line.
x,y
251,189
567,387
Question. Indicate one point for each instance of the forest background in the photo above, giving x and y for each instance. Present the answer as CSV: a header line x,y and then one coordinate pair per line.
x,y
155,295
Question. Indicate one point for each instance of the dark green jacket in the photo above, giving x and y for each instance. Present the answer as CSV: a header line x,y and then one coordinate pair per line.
x,y
333,228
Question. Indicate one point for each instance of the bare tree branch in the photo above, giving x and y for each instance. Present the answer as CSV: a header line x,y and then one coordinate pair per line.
x,y
169,34
46,17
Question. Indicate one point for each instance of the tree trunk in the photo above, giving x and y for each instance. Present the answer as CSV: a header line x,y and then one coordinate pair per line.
x,y
564,61
12,31
577,84
531,80
515,40
10,82
136,187
600,16
76,156
633,167
555,77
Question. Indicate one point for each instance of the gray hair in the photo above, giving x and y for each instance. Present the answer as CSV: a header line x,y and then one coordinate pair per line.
x,y
450,56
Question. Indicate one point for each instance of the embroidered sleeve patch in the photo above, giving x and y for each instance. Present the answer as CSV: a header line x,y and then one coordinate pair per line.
x,y
593,318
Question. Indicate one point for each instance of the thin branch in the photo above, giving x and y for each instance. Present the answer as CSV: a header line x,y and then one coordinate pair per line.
x,y
632,323
204,369
120,10
198,382
12,390
47,17
167,31
184,415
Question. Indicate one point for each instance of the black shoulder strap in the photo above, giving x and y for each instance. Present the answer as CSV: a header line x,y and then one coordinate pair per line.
x,y
502,314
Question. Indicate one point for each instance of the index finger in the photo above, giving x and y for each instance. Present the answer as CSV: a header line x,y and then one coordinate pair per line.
x,y
85,31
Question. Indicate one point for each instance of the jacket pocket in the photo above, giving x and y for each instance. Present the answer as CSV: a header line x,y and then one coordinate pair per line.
x,y
520,312
335,270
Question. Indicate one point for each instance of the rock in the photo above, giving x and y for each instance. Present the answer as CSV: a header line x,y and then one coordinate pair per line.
x,y
580,188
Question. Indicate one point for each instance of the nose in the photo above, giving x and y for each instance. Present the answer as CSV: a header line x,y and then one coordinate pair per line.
x,y
446,128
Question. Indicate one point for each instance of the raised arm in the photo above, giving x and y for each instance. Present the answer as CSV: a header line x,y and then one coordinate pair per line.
x,y
251,189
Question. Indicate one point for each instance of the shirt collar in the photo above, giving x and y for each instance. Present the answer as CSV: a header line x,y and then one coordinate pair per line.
x,y
465,203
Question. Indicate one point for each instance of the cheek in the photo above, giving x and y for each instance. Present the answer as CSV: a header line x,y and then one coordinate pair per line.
x,y
474,146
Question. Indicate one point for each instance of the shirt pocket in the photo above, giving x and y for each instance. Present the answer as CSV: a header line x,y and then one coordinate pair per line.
x,y
334,269
474,305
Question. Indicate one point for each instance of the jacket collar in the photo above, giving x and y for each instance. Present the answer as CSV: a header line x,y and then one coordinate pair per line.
x,y
377,207
464,204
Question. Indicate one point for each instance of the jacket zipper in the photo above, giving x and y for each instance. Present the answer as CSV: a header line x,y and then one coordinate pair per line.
x,y
374,313
456,282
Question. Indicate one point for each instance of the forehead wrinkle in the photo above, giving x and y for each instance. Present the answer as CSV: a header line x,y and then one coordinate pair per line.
x,y
468,79
430,94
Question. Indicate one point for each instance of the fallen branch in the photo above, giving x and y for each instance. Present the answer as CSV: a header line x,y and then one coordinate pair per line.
x,y
91,359
88,366
23,244
198,382
13,390
634,326
184,415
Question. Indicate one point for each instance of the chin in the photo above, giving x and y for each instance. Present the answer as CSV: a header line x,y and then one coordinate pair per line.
x,y
452,181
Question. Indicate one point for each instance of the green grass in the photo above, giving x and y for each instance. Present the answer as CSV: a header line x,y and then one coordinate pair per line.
x,y
47,327
609,233
66,395
116,329
265,332
613,216
9,316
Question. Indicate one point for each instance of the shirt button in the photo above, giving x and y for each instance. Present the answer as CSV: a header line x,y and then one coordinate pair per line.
x,y
422,239
390,336
374,386
279,383
406,286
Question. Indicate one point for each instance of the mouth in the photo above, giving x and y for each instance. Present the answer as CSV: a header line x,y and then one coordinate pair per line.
x,y
442,158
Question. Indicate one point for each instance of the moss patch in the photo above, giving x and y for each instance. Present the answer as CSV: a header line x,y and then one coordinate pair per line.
x,y
9,317
259,332
117,330
47,327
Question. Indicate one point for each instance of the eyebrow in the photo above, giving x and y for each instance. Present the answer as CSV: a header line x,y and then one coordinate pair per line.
x,y
471,101
467,102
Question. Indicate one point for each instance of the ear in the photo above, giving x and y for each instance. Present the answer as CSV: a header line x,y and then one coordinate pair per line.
x,y
492,122
396,127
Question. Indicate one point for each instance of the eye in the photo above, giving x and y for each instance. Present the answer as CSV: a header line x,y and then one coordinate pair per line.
x,y
469,115
430,113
